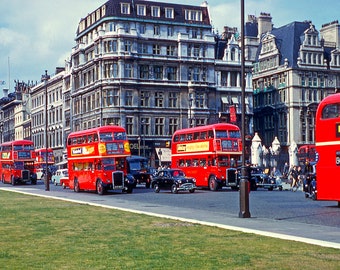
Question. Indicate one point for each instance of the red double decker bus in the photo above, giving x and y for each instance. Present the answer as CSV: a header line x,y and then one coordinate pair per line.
x,y
207,152
40,161
306,153
327,142
17,162
97,160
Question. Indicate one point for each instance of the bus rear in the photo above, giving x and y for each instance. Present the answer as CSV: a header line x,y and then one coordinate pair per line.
x,y
327,141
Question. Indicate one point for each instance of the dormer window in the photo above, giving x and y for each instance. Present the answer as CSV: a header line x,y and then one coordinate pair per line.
x,y
125,8
141,10
155,11
169,13
193,15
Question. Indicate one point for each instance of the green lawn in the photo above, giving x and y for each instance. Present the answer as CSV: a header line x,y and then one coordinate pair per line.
x,y
38,233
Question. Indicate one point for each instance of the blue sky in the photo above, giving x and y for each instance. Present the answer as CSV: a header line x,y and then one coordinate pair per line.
x,y
39,34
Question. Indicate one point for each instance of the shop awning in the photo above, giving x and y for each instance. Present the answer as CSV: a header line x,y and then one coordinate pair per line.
x,y
166,154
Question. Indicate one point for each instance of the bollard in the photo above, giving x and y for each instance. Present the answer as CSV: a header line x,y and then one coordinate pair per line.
x,y
244,192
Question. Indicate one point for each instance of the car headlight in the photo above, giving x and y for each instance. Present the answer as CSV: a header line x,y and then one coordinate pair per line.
x,y
179,181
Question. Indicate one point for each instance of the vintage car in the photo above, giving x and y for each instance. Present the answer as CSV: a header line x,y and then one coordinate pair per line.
x,y
61,173
174,180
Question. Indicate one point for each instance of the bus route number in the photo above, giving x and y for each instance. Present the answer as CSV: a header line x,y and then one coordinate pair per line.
x,y
337,160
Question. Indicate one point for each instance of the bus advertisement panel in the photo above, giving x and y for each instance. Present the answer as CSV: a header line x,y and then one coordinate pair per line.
x,y
327,142
17,162
207,152
40,161
97,160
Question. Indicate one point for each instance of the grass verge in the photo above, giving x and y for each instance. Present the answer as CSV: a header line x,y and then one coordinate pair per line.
x,y
39,233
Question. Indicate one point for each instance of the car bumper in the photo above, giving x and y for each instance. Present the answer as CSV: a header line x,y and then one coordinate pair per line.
x,y
187,186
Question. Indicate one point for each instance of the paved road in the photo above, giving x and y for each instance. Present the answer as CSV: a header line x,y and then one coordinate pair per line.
x,y
281,214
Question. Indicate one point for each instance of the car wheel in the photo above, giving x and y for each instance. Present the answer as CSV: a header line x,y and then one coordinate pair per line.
x,y
212,183
99,187
174,189
76,187
192,190
156,188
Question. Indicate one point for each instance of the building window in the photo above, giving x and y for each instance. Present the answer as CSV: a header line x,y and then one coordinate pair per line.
x,y
196,51
158,72
169,13
142,28
172,73
172,100
155,11
145,126
127,46
141,10
142,48
159,126
144,72
145,99
199,100
159,96
128,98
128,72
125,8
170,50
156,30
193,15
110,46
156,49
173,125
129,125
110,70
170,31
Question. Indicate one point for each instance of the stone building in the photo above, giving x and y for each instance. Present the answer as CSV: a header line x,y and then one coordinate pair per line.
x,y
295,67
150,67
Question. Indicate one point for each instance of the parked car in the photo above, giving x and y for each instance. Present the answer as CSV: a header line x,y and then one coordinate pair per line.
x,y
261,179
61,173
64,181
174,180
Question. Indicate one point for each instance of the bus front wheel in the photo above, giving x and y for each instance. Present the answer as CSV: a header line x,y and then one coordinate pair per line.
x,y
213,185
12,180
100,188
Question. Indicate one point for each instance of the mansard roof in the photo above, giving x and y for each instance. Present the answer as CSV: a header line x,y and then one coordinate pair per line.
x,y
113,9
288,40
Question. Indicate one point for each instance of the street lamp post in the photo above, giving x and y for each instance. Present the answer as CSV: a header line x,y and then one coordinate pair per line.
x,y
45,78
245,171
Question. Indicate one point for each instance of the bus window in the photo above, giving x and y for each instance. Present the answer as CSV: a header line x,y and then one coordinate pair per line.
x,y
203,162
189,137
331,111
223,161
234,134
182,138
188,163
221,134
203,135
181,163
196,136
105,137
176,138
195,163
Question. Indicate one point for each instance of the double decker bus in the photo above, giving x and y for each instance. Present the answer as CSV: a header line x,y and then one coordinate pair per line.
x,y
17,162
327,142
97,160
306,153
40,161
207,152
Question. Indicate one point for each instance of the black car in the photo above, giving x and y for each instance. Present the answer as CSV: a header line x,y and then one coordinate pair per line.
x,y
174,180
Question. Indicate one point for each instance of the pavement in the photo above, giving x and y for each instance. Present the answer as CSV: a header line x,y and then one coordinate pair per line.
x,y
326,236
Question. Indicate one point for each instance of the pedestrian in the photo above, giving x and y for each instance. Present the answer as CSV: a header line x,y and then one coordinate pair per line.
x,y
294,176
